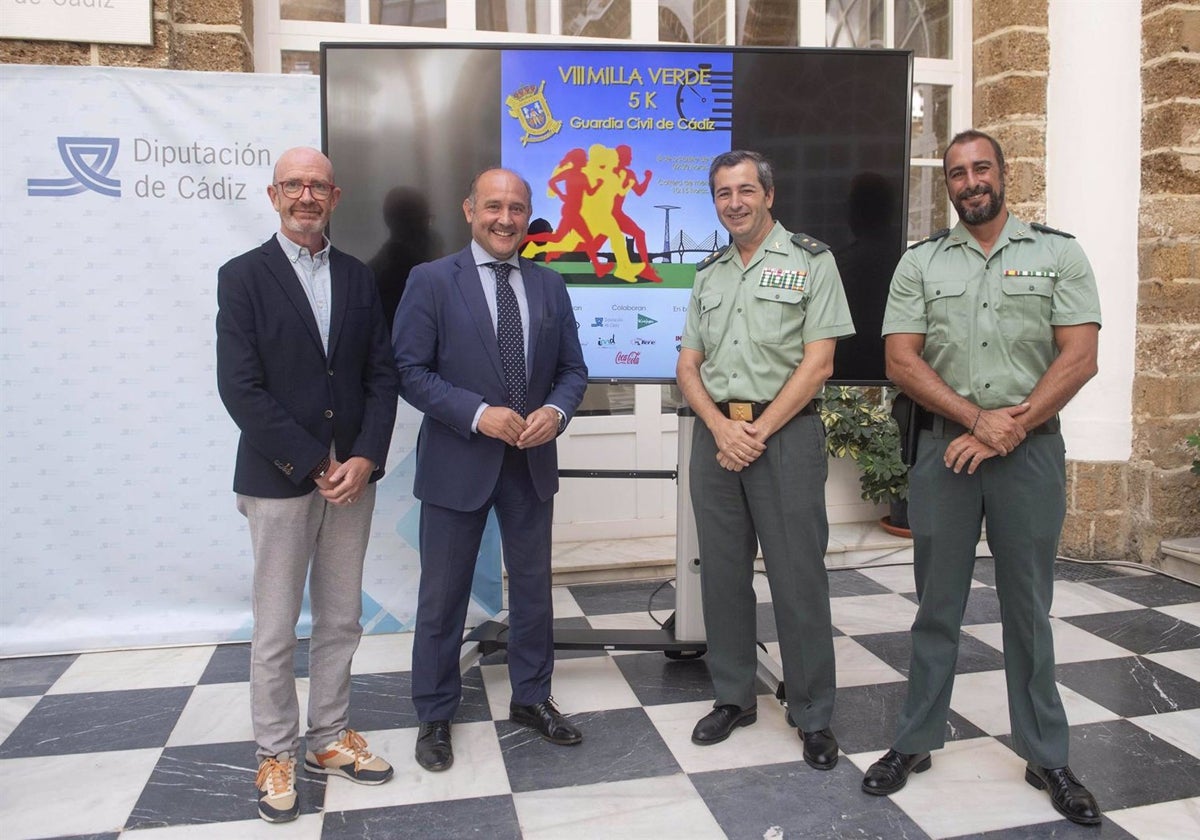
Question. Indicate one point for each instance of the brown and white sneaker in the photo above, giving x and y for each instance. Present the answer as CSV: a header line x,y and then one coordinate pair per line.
x,y
349,757
276,783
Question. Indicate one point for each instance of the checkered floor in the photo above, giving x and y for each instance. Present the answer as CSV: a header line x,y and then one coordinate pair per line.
x,y
157,744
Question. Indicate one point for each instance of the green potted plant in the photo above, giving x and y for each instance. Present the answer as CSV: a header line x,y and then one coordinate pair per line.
x,y
861,427
1193,441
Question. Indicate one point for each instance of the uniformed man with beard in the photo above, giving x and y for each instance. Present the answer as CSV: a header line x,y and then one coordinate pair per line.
x,y
992,327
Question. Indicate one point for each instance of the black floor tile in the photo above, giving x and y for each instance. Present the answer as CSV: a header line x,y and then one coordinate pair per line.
x,y
1131,686
33,676
848,582
490,817
628,596
62,724
212,783
617,744
231,663
896,649
864,718
983,605
1084,572
1140,631
1124,766
655,679
793,800
1056,830
1151,590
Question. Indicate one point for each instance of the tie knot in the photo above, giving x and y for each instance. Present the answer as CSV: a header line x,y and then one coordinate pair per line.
x,y
501,270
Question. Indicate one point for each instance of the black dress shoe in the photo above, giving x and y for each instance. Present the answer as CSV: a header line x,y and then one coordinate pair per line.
x,y
890,773
715,726
434,751
547,721
820,749
1067,794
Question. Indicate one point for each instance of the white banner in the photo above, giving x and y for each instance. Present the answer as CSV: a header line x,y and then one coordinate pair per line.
x,y
121,193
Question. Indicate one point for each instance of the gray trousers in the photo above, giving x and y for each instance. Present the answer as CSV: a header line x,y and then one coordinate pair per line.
x,y
1023,497
778,502
287,536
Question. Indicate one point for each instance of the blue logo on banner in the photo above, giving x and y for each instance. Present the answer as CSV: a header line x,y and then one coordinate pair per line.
x,y
89,160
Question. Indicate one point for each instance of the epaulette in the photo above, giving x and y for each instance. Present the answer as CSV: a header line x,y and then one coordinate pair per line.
x,y
1047,229
933,237
813,246
711,258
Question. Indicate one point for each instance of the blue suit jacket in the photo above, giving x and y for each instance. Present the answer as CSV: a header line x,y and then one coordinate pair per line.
x,y
449,362
290,400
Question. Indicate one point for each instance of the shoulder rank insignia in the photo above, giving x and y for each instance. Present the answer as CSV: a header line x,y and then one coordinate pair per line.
x,y
1047,229
711,258
813,246
933,237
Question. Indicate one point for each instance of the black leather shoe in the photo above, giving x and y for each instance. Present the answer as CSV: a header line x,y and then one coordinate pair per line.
x,y
1067,794
820,749
434,751
715,726
890,773
547,721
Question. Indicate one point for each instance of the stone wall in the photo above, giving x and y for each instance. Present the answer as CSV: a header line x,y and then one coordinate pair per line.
x,y
1121,510
188,35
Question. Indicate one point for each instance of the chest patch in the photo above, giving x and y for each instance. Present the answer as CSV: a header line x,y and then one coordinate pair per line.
x,y
1016,272
780,278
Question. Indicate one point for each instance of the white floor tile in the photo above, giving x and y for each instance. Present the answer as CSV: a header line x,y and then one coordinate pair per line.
x,y
305,827
1071,643
383,653
587,684
628,621
982,699
860,615
897,578
12,712
565,605
101,790
1186,662
1179,728
1187,612
858,666
1164,821
216,714
478,770
121,670
1074,598
974,786
663,807
768,741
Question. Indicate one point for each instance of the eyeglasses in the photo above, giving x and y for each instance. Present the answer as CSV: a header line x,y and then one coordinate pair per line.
x,y
294,189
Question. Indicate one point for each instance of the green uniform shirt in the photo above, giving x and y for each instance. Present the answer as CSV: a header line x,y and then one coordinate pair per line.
x,y
988,321
752,324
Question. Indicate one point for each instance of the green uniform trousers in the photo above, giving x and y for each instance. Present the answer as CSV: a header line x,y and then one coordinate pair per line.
x,y
1023,497
778,502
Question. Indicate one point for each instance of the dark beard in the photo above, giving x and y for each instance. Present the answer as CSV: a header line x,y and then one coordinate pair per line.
x,y
985,213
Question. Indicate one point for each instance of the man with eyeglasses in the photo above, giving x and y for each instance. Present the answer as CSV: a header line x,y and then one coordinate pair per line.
x,y
304,368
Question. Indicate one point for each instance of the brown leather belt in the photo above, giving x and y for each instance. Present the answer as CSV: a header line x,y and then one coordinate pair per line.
x,y
751,411
948,428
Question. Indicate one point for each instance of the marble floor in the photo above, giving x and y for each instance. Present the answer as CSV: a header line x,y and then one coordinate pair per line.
x,y
157,744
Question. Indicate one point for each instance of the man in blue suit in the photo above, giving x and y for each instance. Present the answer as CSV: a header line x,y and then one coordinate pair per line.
x,y
304,368
488,349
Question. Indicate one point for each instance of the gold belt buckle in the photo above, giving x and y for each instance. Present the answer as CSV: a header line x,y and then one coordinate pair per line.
x,y
741,411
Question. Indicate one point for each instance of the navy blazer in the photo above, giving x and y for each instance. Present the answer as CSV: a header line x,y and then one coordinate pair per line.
x,y
290,400
449,362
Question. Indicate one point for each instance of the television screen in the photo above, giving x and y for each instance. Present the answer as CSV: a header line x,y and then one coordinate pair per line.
x,y
616,143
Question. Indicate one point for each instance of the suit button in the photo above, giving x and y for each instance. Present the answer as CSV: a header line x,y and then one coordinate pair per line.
x,y
330,371
328,413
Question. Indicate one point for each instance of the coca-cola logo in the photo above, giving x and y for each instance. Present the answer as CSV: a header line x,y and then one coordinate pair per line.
x,y
634,357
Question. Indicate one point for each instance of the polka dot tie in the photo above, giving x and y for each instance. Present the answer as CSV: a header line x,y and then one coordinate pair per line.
x,y
511,338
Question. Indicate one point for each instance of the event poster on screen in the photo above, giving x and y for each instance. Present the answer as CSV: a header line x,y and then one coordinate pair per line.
x,y
616,147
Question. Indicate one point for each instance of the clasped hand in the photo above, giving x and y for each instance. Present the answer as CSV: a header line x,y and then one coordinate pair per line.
x,y
737,444
343,483
504,424
999,428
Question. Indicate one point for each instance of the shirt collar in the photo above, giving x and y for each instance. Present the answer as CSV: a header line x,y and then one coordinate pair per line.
x,y
483,258
294,251
775,241
1013,228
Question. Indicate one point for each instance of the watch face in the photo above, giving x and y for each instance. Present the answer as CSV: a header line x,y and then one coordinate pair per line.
x,y
713,101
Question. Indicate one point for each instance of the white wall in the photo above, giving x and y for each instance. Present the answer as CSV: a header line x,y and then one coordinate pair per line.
x,y
1093,187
